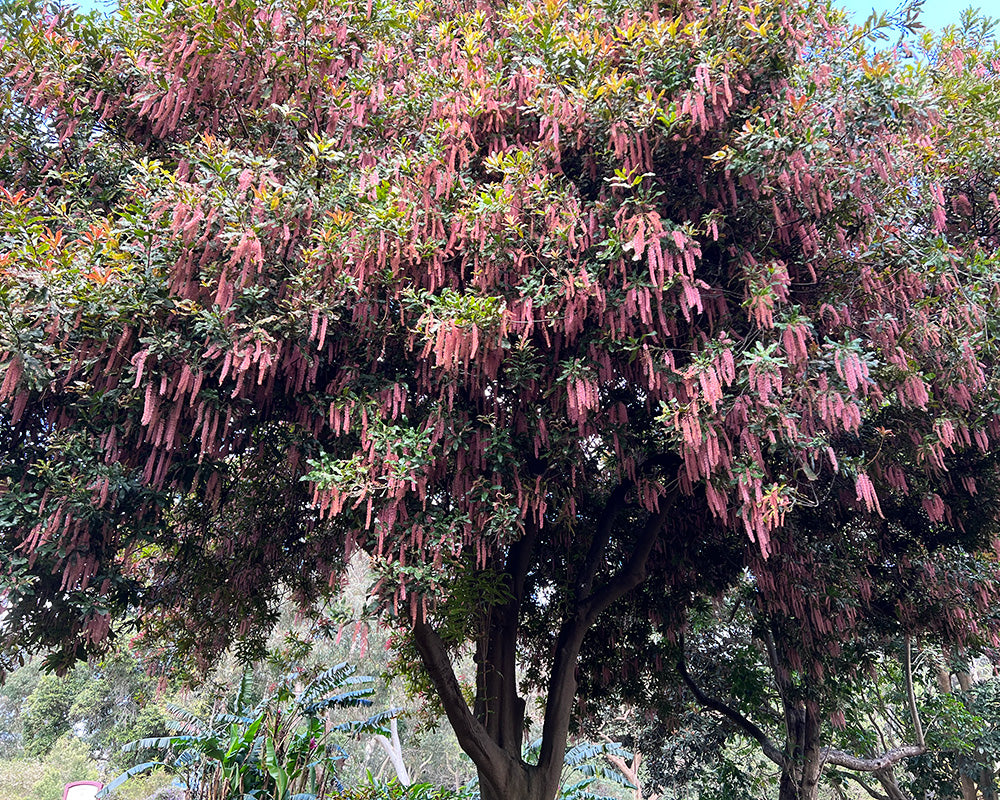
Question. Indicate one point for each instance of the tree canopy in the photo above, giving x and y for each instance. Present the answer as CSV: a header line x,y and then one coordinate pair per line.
x,y
547,306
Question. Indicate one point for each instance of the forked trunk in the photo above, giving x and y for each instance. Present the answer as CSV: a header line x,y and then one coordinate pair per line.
x,y
498,706
492,732
500,710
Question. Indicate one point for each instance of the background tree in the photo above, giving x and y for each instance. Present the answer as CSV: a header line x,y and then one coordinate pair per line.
x,y
803,633
548,302
47,715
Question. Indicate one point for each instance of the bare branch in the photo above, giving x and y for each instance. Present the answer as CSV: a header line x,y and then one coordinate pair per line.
x,y
911,699
734,716
839,758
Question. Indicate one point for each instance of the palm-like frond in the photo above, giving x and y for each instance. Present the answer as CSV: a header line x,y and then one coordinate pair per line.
x,y
336,676
138,769
186,717
588,751
583,764
575,790
241,702
233,719
359,697
158,743
376,723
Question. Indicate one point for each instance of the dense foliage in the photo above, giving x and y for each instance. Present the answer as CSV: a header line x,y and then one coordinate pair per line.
x,y
279,748
533,302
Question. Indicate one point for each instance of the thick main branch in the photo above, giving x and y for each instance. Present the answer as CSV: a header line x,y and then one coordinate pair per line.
x,y
471,733
579,620
634,571
911,698
599,544
839,758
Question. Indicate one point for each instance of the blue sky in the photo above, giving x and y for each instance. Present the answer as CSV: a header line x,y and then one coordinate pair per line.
x,y
935,13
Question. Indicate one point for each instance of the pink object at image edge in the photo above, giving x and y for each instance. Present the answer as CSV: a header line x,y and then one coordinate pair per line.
x,y
82,790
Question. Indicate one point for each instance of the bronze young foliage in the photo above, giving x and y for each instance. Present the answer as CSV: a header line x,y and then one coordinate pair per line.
x,y
625,282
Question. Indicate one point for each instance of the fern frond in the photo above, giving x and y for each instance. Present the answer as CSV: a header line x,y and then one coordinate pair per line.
x,y
374,724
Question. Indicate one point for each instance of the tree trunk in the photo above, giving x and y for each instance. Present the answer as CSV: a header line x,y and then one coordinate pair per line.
x,y
394,750
498,706
803,755
522,784
968,785
500,709
987,783
888,780
966,765
491,733
502,774
518,785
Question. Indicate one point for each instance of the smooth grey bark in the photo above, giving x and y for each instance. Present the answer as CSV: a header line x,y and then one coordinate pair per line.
x,y
911,698
393,749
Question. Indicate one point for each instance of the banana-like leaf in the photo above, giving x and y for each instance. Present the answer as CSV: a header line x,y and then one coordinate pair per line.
x,y
230,719
240,739
187,717
129,773
157,743
243,693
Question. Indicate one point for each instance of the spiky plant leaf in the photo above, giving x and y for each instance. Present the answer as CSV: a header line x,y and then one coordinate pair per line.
x,y
361,697
240,704
327,681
